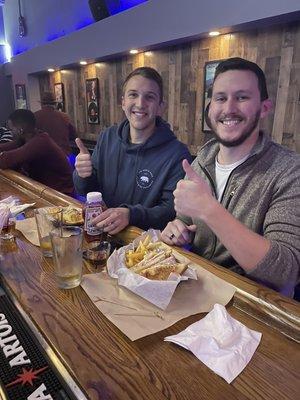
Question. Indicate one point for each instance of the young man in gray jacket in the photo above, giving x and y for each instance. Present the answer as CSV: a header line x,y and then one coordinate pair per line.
x,y
240,202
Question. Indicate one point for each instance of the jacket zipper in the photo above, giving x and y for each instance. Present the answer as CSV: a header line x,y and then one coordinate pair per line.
x,y
207,174
231,194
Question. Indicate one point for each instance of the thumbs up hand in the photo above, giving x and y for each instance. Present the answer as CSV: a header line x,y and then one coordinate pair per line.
x,y
192,196
83,162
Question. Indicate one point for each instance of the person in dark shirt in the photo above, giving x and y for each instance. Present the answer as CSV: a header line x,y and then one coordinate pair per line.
x,y
35,154
56,123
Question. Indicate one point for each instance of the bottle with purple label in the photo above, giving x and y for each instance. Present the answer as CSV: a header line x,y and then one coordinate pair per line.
x,y
94,206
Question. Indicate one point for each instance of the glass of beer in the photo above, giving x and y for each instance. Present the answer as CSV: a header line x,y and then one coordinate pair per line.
x,y
67,251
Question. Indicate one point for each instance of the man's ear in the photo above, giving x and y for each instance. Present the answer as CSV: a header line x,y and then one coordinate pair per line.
x,y
266,107
162,108
206,116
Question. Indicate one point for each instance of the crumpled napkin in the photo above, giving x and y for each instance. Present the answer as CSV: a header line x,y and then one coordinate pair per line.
x,y
12,203
222,343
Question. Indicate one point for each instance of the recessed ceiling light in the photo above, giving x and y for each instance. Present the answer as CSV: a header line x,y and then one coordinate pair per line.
x,y
82,62
214,33
51,69
133,51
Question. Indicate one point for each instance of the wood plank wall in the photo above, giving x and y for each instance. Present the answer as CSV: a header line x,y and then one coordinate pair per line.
x,y
276,50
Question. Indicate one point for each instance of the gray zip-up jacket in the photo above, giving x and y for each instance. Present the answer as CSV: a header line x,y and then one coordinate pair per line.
x,y
264,194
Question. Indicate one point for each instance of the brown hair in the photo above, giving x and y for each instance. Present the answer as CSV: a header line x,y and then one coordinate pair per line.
x,y
148,73
237,63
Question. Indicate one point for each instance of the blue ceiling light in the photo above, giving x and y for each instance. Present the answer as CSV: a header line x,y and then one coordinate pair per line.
x,y
84,23
20,50
117,6
54,36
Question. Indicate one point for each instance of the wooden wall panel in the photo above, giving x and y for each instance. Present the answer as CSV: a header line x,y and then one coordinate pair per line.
x,y
276,50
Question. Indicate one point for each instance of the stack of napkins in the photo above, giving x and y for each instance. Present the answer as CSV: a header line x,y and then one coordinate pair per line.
x,y
222,343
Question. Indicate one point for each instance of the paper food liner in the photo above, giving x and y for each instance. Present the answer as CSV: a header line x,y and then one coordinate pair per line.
x,y
28,228
156,292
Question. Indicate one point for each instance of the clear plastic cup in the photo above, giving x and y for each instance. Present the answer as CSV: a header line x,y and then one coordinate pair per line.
x,y
67,252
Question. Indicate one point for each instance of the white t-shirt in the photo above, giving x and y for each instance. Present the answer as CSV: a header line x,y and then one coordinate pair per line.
x,y
222,174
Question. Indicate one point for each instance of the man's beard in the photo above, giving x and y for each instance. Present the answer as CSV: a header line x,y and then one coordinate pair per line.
x,y
244,135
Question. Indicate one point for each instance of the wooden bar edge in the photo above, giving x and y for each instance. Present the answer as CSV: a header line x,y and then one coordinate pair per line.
x,y
266,305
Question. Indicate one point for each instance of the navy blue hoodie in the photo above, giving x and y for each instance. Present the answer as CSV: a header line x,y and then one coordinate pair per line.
x,y
141,177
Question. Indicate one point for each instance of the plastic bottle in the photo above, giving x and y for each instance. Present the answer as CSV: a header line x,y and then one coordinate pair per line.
x,y
93,207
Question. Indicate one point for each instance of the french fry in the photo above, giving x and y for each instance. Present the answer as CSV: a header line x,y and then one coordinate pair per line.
x,y
146,241
145,250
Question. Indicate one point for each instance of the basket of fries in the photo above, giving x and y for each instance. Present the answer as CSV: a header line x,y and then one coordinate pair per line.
x,y
150,268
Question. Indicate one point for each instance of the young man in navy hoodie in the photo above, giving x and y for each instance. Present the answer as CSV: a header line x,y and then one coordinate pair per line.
x,y
137,164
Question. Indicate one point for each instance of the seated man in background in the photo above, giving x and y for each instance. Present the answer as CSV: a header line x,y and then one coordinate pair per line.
x,y
240,202
56,123
5,135
137,164
35,154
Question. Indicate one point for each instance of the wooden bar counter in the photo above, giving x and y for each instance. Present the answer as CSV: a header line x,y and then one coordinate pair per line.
x,y
107,365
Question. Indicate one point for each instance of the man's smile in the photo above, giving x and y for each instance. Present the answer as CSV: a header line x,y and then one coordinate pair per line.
x,y
230,121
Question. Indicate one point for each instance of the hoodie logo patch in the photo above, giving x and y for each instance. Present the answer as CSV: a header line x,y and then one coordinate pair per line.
x,y
144,179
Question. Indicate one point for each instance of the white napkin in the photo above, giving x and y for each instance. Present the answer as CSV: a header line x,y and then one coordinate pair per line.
x,y
220,342
13,204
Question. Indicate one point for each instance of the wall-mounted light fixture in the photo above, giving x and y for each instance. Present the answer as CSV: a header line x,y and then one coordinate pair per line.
x,y
82,62
7,52
50,69
133,51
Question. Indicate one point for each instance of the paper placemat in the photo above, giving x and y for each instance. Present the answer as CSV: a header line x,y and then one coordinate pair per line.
x,y
137,318
28,228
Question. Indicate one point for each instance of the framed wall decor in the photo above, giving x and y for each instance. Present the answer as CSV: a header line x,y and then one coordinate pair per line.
x,y
21,101
59,93
209,73
92,99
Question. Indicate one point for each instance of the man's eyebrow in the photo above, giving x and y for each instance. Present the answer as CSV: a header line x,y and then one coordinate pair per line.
x,y
148,92
247,91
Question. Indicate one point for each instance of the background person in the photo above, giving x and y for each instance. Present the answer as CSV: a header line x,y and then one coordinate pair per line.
x,y
5,135
240,202
137,164
35,154
56,123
